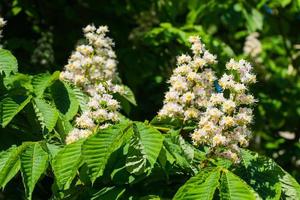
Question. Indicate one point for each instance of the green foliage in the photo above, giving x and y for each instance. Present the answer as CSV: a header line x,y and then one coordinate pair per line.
x,y
269,179
232,187
131,159
41,82
66,163
34,162
64,99
11,106
46,114
144,148
201,186
98,148
9,164
8,63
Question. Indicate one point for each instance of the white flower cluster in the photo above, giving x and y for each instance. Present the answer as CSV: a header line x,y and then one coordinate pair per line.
x,y
92,67
224,125
252,46
223,114
2,24
93,62
191,84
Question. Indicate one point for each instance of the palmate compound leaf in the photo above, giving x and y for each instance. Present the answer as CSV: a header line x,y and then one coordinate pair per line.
x,y
11,106
145,146
200,187
97,149
66,163
34,162
41,81
46,114
8,63
268,179
234,188
10,163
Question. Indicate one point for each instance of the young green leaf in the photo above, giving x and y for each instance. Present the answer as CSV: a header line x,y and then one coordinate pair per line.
x,y
81,98
128,95
200,187
234,188
268,179
41,81
66,163
11,106
10,163
34,162
145,146
109,193
46,114
8,63
97,149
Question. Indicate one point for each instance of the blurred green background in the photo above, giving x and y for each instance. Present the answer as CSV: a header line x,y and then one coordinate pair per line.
x,y
150,34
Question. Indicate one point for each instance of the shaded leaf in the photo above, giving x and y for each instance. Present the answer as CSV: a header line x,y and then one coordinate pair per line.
x,y
11,106
64,99
10,163
41,81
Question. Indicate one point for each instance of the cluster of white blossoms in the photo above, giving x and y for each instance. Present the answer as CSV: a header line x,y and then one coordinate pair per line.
x,y
221,107
191,84
2,24
92,67
252,46
92,62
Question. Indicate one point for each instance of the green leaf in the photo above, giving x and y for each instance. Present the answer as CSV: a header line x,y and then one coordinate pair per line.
x,y
52,150
234,188
8,63
34,162
41,81
81,98
284,3
64,126
166,123
97,149
11,106
145,146
181,153
65,99
268,179
18,80
254,20
201,186
46,114
128,95
290,187
10,163
66,163
109,193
